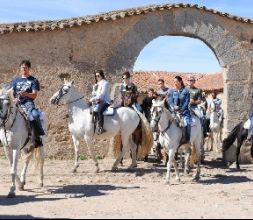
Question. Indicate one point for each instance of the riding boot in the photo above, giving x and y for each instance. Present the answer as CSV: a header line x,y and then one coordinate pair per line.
x,y
188,134
37,131
100,123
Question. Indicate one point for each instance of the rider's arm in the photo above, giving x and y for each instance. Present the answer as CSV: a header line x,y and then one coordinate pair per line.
x,y
32,95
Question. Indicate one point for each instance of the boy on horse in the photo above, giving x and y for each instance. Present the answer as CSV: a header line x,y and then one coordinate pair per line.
x,y
25,90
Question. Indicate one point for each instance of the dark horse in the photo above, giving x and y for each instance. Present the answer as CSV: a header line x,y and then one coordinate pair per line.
x,y
240,134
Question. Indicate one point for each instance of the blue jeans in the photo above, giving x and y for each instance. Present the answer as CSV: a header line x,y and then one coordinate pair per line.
x,y
35,123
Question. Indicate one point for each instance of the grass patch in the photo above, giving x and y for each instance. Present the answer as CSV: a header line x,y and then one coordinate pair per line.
x,y
98,157
3,157
83,157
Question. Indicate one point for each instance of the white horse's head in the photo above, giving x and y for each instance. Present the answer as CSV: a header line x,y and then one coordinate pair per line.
x,y
156,112
63,94
5,106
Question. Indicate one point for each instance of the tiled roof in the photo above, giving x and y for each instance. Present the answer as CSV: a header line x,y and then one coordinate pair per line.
x,y
207,82
114,15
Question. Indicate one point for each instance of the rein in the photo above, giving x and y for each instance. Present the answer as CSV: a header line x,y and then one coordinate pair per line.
x,y
71,101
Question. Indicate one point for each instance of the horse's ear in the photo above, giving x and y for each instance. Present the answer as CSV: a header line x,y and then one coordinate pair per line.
x,y
64,80
153,101
72,82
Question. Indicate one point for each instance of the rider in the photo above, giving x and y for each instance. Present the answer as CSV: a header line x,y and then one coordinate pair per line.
x,y
179,100
25,90
195,101
163,90
147,103
101,98
129,86
217,103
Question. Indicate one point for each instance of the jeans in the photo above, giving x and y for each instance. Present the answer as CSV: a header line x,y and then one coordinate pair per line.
x,y
34,112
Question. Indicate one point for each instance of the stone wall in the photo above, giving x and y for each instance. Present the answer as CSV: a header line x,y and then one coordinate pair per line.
x,y
113,41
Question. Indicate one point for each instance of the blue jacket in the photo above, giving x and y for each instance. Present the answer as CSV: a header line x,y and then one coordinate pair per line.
x,y
180,98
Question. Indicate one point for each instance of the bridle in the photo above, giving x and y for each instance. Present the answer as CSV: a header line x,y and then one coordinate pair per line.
x,y
62,93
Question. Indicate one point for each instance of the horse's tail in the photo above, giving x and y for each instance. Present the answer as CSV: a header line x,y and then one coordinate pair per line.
x,y
147,141
228,142
38,154
117,145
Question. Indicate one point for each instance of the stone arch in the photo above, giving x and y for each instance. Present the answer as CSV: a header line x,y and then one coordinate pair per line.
x,y
229,49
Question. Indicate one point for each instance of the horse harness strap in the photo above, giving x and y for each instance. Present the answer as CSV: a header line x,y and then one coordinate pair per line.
x,y
71,102
168,127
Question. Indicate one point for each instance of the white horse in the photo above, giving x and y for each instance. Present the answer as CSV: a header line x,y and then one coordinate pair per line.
x,y
171,136
14,135
81,125
215,128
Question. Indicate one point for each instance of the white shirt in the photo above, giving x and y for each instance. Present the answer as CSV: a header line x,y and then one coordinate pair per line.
x,y
103,91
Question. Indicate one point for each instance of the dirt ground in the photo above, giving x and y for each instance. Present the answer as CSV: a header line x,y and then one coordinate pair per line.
x,y
136,193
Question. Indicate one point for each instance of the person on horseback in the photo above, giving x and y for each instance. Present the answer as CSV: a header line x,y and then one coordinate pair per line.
x,y
129,92
147,103
100,99
179,100
218,105
163,90
196,101
25,90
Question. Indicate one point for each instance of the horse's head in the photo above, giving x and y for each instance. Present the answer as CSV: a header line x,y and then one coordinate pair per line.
x,y
156,113
5,106
63,94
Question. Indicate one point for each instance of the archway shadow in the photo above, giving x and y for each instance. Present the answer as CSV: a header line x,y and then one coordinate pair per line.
x,y
223,179
80,191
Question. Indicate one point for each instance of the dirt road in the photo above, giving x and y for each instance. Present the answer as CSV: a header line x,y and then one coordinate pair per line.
x,y
138,193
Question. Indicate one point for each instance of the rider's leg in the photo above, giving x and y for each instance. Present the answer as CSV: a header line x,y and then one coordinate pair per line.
x,y
102,107
35,123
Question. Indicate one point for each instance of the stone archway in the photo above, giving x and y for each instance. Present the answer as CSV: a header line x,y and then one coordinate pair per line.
x,y
228,48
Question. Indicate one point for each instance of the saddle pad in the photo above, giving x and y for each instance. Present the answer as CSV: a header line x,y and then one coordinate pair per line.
x,y
109,111
247,124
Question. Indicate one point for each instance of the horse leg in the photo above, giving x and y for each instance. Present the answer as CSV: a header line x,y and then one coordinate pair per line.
x,y
187,160
169,164
238,149
125,143
23,175
212,140
198,152
134,153
92,152
177,171
15,156
77,150
40,157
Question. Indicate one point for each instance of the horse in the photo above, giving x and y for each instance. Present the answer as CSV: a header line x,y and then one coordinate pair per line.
x,y
215,127
171,136
239,133
81,124
14,135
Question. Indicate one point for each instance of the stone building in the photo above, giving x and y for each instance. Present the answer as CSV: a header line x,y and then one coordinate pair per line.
x,y
75,48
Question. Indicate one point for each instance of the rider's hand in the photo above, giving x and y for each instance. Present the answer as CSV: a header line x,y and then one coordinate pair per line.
x,y
16,101
192,101
177,108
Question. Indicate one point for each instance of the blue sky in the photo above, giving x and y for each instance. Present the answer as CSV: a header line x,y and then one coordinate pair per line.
x,y
165,53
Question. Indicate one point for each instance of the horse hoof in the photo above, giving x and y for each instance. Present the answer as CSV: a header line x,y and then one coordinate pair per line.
x,y
187,172
74,170
133,166
167,182
41,185
11,195
178,180
196,179
114,169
